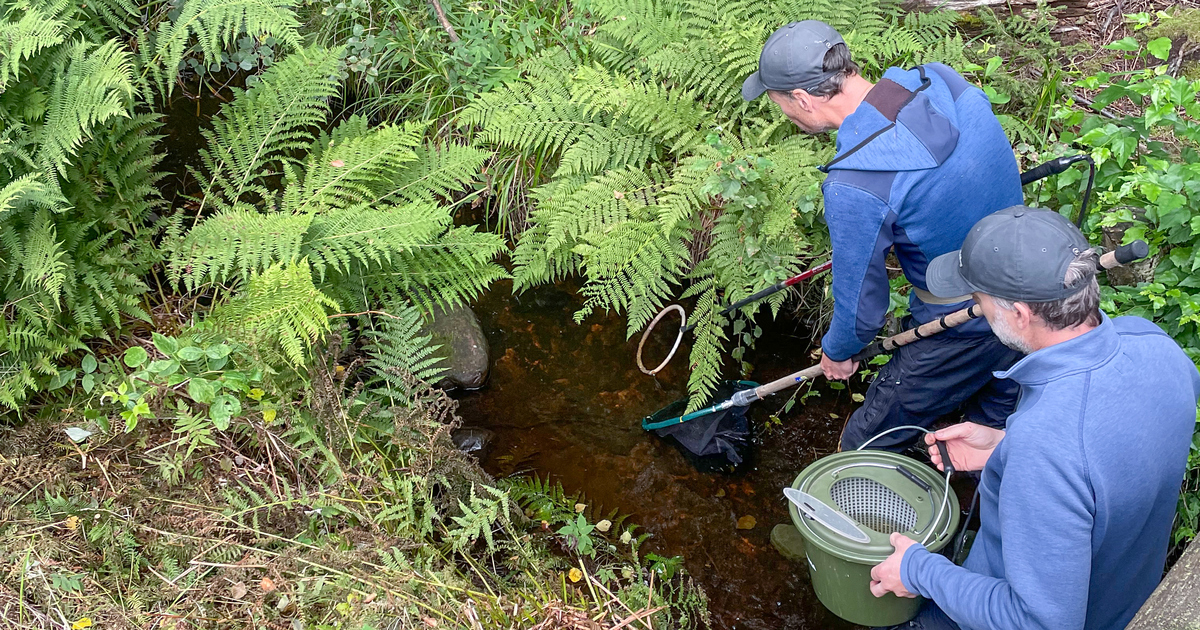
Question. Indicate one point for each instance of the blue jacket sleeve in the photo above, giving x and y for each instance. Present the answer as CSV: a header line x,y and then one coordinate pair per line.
x,y
1045,519
860,226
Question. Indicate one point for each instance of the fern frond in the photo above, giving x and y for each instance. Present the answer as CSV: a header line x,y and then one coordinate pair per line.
x,y
449,272
439,171
42,257
706,356
353,168
32,31
29,189
279,306
398,352
253,135
92,84
216,25
237,244
371,238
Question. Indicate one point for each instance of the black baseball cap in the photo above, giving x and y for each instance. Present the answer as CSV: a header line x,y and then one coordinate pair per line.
x,y
793,58
1019,254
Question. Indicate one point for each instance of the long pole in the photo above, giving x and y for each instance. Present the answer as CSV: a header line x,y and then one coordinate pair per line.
x,y
1120,256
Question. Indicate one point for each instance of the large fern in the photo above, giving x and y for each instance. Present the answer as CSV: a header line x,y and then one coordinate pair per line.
x,y
77,187
640,137
359,210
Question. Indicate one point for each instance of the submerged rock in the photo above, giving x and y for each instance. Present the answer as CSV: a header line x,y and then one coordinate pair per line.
x,y
464,347
473,440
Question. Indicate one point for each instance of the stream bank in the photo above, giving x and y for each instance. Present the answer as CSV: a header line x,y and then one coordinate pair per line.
x,y
565,401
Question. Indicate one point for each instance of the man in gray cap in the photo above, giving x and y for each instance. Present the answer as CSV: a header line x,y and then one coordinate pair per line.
x,y
920,158
1077,496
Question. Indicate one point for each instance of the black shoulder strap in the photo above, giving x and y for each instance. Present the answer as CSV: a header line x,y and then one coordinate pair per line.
x,y
889,98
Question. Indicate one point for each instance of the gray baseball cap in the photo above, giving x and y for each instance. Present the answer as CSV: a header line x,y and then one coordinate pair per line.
x,y
1019,254
793,58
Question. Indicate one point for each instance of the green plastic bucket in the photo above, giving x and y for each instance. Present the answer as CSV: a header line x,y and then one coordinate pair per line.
x,y
884,493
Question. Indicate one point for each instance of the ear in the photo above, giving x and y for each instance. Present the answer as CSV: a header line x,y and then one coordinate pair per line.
x,y
803,99
1022,316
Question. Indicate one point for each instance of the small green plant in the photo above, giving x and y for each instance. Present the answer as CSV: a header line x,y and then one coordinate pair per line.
x,y
578,534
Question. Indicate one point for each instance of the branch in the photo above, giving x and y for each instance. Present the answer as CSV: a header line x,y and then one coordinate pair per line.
x,y
437,7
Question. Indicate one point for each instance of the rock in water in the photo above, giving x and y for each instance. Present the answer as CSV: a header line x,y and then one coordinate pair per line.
x,y
473,440
463,345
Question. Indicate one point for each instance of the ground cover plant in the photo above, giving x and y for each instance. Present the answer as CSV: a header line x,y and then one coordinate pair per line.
x,y
217,400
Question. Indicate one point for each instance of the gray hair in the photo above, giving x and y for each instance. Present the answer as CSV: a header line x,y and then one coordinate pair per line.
x,y
837,59
1081,307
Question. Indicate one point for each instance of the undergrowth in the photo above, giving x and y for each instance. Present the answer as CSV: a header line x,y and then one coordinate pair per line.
x,y
226,505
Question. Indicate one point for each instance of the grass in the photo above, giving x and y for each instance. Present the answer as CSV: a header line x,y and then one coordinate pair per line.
x,y
261,533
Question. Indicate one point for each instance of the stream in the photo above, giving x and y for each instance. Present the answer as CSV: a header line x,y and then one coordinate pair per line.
x,y
565,401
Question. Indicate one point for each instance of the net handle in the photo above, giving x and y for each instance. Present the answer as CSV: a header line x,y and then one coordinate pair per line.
x,y
650,328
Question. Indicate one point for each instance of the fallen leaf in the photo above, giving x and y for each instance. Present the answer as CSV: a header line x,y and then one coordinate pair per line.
x,y
575,574
834,416
337,164
618,194
857,397
369,598
430,621
238,591
72,523
746,522
266,585
721,492
580,507
84,622
78,435
603,526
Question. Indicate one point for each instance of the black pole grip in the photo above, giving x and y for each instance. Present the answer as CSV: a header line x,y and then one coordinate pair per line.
x,y
946,465
1136,250
870,352
1053,167
778,286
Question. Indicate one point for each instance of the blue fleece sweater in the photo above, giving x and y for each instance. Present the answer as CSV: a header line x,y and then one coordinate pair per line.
x,y
918,186
1076,501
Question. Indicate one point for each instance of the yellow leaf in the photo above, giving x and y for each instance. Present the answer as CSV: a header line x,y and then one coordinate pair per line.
x,y
269,415
834,416
255,393
857,397
747,522
72,524
82,623
579,508
575,574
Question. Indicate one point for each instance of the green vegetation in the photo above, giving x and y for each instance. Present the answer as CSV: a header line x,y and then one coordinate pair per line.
x,y
219,380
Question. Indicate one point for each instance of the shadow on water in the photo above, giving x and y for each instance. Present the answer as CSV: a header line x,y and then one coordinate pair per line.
x,y
566,400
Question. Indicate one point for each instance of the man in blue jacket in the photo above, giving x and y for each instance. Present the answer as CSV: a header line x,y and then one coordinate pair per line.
x,y
920,158
1077,497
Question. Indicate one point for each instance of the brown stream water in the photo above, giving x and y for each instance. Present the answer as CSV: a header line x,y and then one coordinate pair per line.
x,y
565,400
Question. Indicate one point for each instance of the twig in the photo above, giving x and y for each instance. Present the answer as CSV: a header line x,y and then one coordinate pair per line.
x,y
362,313
644,614
437,7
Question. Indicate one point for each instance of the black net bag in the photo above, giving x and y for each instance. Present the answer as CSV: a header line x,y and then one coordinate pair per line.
x,y
711,439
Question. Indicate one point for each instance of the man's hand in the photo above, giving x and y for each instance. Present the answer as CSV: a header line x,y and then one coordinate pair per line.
x,y
885,576
838,370
969,445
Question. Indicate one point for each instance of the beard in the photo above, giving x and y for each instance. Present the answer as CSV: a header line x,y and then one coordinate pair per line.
x,y
1008,337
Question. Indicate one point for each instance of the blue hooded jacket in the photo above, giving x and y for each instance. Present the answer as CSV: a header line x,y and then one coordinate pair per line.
x,y
1076,502
918,163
